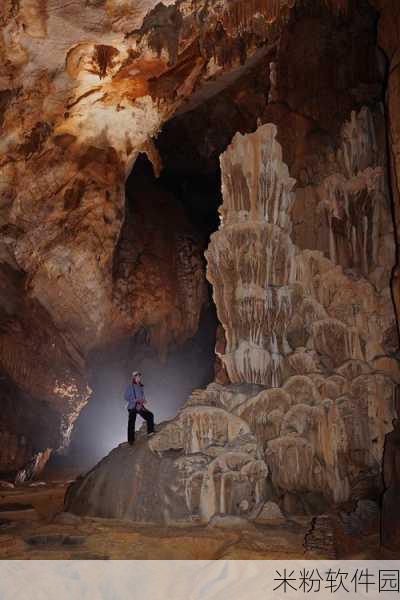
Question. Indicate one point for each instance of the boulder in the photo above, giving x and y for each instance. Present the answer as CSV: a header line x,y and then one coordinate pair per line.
x,y
270,514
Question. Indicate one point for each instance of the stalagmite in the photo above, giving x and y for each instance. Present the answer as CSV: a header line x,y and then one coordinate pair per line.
x,y
251,258
294,308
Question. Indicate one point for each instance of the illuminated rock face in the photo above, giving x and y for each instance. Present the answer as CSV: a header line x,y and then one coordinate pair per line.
x,y
251,259
204,462
310,325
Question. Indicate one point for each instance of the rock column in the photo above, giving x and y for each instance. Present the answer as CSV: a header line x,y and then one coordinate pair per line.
x,y
251,258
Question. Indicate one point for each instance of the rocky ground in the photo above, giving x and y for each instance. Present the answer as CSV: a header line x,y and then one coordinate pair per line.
x,y
34,526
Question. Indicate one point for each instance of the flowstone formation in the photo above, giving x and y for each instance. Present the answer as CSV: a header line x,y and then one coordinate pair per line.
x,y
311,397
204,462
309,320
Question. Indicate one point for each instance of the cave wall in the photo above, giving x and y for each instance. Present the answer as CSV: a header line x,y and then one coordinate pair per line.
x,y
388,39
43,385
158,270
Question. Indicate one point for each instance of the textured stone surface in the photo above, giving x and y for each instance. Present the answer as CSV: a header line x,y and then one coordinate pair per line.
x,y
204,462
33,422
302,322
250,251
158,272
321,540
34,468
271,296
270,514
363,520
388,38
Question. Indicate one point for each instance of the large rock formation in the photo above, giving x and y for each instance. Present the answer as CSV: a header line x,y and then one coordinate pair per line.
x,y
310,330
309,322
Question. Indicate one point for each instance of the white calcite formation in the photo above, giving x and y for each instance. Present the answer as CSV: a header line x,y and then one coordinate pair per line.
x,y
222,463
309,324
205,462
251,258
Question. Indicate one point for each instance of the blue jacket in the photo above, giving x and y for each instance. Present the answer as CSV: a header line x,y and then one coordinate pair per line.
x,y
134,396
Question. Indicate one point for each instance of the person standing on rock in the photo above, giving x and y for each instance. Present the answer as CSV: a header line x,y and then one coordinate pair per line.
x,y
135,399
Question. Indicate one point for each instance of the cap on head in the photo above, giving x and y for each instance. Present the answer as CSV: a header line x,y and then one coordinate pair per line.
x,y
136,374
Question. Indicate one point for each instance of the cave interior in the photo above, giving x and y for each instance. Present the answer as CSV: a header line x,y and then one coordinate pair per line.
x,y
208,193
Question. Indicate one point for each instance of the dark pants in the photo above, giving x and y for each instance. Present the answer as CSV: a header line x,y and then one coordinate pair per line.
x,y
146,415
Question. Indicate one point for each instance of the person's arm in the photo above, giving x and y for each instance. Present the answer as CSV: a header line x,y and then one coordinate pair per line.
x,y
127,395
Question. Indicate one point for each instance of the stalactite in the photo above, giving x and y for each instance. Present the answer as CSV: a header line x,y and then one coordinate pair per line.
x,y
239,14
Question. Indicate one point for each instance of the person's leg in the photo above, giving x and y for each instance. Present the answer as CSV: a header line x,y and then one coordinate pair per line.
x,y
148,416
131,426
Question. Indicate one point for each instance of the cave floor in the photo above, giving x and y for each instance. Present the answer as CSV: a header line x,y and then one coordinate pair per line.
x,y
33,526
